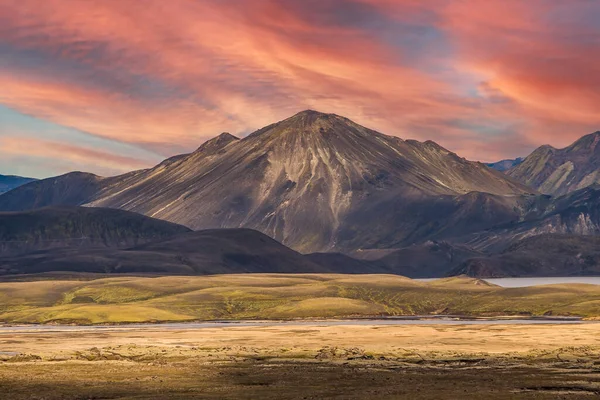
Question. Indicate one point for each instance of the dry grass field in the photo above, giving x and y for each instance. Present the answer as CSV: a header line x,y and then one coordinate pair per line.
x,y
276,296
303,362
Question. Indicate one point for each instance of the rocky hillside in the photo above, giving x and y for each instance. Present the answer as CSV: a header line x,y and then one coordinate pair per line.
x,y
80,227
561,171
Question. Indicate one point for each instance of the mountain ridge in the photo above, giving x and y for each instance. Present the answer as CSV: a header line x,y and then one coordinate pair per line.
x,y
561,171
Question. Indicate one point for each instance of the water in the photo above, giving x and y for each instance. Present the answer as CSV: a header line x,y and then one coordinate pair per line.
x,y
425,320
524,282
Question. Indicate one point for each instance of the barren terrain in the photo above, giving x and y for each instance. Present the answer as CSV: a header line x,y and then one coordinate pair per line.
x,y
289,362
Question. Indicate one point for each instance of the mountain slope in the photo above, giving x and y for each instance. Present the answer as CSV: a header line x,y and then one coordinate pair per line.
x,y
78,188
207,252
576,213
58,227
72,189
9,182
561,171
543,255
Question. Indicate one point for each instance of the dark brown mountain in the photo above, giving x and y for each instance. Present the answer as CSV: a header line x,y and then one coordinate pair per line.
x,y
543,255
80,227
9,182
561,171
314,182
219,251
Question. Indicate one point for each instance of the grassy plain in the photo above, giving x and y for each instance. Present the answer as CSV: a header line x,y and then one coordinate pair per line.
x,y
277,296
303,362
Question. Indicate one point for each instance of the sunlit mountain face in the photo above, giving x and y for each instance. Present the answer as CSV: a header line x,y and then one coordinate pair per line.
x,y
113,86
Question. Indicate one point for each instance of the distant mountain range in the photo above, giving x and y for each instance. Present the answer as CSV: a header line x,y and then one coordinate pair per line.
x,y
355,199
505,165
9,182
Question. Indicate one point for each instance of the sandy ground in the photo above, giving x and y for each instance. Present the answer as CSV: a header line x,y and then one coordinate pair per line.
x,y
492,339
555,361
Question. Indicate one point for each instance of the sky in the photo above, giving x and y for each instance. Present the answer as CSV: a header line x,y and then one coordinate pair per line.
x,y
109,86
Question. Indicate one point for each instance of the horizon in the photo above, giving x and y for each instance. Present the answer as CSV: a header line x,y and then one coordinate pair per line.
x,y
107,87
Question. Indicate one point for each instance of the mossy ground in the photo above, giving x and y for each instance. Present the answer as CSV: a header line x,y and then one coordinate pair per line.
x,y
278,296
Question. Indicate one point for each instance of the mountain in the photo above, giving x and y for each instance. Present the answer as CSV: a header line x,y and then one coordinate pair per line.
x,y
561,171
576,213
426,260
505,165
81,227
500,228
315,182
72,189
542,255
9,182
219,251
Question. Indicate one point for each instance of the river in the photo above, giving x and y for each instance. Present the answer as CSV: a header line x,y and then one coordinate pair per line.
x,y
417,320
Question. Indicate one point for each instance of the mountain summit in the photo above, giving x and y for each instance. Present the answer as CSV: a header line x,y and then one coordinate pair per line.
x,y
561,171
313,181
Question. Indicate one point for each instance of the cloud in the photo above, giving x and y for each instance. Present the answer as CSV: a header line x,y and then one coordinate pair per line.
x,y
540,54
66,157
486,79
